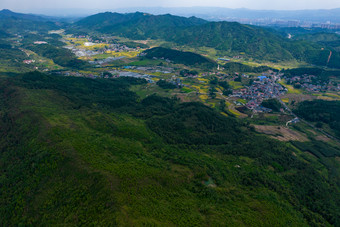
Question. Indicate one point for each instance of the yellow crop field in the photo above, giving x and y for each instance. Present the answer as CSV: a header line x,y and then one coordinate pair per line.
x,y
285,100
224,114
243,101
333,95
204,97
201,89
203,79
236,113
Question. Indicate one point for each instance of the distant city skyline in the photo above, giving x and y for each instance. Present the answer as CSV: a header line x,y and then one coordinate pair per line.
x,y
34,5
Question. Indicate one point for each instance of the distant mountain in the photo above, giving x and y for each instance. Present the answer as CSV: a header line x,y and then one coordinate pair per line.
x,y
6,14
218,13
101,20
17,22
209,13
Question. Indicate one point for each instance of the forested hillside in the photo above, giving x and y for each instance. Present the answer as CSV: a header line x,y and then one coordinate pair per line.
x,y
80,151
331,40
18,22
180,57
321,111
229,38
11,57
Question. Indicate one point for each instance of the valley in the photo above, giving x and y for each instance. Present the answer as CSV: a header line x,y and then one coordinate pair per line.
x,y
139,119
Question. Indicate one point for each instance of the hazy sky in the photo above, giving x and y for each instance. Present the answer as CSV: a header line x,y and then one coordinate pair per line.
x,y
112,4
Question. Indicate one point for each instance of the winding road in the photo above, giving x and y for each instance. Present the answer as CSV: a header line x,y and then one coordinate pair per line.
x,y
304,121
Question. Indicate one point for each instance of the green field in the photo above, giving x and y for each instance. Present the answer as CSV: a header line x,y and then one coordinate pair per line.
x,y
236,85
291,89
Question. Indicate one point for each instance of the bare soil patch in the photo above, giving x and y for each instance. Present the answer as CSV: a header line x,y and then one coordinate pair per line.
x,y
281,133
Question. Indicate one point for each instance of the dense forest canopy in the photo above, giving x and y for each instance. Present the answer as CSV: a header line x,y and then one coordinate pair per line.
x,y
180,57
85,141
321,111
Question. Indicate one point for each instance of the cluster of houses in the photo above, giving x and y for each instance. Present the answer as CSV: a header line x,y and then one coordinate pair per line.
x,y
176,81
261,89
116,74
312,84
28,61
106,60
80,51
119,48
77,74
40,42
111,74
161,58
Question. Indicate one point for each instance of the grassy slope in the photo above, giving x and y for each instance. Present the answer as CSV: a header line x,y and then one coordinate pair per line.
x,y
65,162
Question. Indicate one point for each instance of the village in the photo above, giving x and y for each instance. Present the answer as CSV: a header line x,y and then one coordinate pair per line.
x,y
265,87
104,52
312,83
101,50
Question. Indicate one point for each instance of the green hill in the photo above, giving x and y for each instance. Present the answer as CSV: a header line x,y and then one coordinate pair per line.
x,y
319,37
107,19
330,40
235,39
255,42
180,57
137,25
77,151
226,37
12,22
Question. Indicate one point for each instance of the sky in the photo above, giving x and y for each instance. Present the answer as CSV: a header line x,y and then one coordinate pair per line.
x,y
26,5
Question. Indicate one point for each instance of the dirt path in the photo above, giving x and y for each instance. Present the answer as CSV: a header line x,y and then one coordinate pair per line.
x,y
281,133
329,57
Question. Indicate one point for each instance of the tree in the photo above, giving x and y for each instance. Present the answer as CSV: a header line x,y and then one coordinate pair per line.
x,y
212,91
214,81
238,79
273,104
222,105
227,92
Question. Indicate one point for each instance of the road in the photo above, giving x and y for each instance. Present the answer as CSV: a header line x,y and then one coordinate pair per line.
x,y
304,121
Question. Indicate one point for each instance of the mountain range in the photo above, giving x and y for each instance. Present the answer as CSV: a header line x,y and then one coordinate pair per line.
x,y
229,38
209,13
